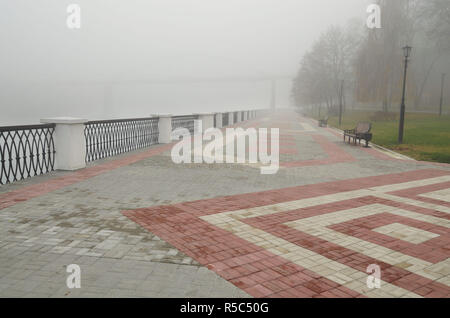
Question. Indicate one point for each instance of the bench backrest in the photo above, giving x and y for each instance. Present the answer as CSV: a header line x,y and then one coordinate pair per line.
x,y
363,128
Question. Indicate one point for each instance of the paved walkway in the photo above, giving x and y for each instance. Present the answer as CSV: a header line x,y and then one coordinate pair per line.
x,y
139,225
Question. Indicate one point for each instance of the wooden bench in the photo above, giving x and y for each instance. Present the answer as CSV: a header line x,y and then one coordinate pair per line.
x,y
361,132
323,122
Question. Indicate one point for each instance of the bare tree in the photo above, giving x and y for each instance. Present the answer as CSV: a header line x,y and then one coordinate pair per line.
x,y
433,39
370,61
324,67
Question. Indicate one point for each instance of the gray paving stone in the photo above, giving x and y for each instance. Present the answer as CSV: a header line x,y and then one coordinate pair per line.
x,y
82,224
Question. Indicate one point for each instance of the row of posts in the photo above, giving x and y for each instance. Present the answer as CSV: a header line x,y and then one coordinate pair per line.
x,y
70,142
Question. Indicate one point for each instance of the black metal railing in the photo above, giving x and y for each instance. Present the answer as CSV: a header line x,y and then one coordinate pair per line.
x,y
184,122
225,120
106,138
26,151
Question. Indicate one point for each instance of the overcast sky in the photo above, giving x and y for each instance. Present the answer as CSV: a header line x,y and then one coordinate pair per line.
x,y
128,40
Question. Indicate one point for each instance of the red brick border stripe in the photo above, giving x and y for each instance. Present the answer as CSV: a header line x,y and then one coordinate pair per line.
x,y
244,201
414,193
31,191
335,154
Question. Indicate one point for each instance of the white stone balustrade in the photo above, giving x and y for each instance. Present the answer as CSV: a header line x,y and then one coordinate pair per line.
x,y
70,141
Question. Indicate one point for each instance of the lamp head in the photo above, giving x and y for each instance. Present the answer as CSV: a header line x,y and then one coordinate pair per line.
x,y
407,51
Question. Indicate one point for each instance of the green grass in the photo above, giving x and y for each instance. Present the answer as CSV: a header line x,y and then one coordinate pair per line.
x,y
426,136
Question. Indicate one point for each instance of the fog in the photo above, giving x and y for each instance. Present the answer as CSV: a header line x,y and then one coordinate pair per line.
x,y
136,58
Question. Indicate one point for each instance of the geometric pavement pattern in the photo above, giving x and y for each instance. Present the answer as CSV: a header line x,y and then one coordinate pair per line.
x,y
314,240
318,240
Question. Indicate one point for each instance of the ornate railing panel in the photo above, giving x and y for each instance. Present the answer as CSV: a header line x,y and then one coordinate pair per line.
x,y
26,151
184,122
106,138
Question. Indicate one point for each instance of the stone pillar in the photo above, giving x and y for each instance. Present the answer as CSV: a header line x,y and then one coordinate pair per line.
x,y
207,120
165,128
70,142
219,120
245,115
230,118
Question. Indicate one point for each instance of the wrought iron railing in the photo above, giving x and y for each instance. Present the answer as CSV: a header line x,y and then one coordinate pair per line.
x,y
106,138
225,119
184,122
26,151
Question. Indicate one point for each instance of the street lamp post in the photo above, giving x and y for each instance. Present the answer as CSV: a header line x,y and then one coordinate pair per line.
x,y
406,52
442,94
341,102
273,101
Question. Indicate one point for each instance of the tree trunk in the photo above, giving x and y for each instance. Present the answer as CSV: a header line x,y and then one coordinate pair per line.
x,y
419,95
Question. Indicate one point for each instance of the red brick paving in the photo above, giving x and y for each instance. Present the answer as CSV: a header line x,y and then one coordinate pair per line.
x,y
335,154
433,250
263,274
434,253
414,193
244,201
25,193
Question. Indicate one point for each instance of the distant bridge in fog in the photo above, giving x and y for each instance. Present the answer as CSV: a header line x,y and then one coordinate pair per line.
x,y
108,85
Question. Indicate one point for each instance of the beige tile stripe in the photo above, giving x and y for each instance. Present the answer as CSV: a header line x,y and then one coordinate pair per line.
x,y
443,195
